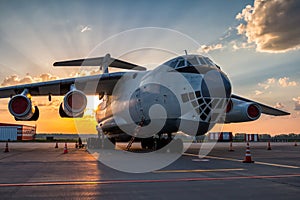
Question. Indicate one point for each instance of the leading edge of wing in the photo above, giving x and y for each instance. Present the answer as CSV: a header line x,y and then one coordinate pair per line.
x,y
268,110
116,63
90,85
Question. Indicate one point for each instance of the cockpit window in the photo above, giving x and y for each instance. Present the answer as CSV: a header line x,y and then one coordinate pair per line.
x,y
172,63
192,61
181,63
209,61
189,61
202,61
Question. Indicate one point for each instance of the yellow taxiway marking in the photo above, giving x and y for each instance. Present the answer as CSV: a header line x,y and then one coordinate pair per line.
x,y
237,160
126,181
278,165
198,170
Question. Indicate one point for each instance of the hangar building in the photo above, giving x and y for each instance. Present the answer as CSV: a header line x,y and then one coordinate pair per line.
x,y
16,132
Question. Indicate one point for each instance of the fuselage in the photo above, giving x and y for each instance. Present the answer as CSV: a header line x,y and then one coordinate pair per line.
x,y
188,93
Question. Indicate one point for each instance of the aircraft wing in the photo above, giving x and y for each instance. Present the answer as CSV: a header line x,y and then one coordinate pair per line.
x,y
90,85
265,109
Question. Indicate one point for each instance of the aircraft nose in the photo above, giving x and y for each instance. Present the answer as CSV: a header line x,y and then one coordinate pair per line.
x,y
227,85
216,84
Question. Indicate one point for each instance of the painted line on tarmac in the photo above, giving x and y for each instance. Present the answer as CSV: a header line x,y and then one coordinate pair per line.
x,y
103,182
277,165
198,170
237,160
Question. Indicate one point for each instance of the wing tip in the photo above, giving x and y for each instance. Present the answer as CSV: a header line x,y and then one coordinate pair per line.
x,y
284,113
56,64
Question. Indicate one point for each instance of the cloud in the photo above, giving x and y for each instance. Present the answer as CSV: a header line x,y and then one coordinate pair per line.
x,y
85,73
85,28
245,14
206,49
279,105
284,82
258,92
266,84
241,29
227,34
16,80
297,103
263,85
272,25
47,77
236,45
271,80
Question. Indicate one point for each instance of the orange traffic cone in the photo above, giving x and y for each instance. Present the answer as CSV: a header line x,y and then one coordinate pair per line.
x,y
269,146
56,145
248,155
66,148
6,148
230,147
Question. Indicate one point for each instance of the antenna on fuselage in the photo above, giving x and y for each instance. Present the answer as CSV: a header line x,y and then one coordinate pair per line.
x,y
185,51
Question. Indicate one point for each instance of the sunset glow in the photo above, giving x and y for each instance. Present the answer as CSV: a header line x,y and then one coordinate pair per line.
x,y
261,60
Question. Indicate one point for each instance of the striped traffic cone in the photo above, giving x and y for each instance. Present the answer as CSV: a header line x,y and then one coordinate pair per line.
x,y
269,146
248,158
6,148
230,147
65,148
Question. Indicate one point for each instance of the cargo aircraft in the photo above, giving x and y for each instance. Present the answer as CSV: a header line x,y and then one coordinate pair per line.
x,y
198,85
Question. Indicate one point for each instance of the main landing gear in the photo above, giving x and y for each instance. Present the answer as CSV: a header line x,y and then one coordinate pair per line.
x,y
161,141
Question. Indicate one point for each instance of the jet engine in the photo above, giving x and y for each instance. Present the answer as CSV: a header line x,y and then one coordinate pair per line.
x,y
240,111
74,104
20,106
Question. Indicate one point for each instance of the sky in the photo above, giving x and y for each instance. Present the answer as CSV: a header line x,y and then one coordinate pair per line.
x,y
255,42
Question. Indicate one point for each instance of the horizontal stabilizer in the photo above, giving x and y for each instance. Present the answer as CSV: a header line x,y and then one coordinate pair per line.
x,y
98,62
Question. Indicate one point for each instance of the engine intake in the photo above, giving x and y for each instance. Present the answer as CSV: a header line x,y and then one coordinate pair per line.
x,y
20,106
73,105
243,111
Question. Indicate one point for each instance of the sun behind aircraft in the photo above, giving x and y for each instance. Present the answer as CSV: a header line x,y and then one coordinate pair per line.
x,y
189,93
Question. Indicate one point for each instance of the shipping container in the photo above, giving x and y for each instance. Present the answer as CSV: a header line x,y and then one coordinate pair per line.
x,y
251,138
8,133
220,136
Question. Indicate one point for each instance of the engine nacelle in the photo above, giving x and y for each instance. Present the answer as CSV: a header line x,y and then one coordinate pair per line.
x,y
73,105
241,111
20,106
